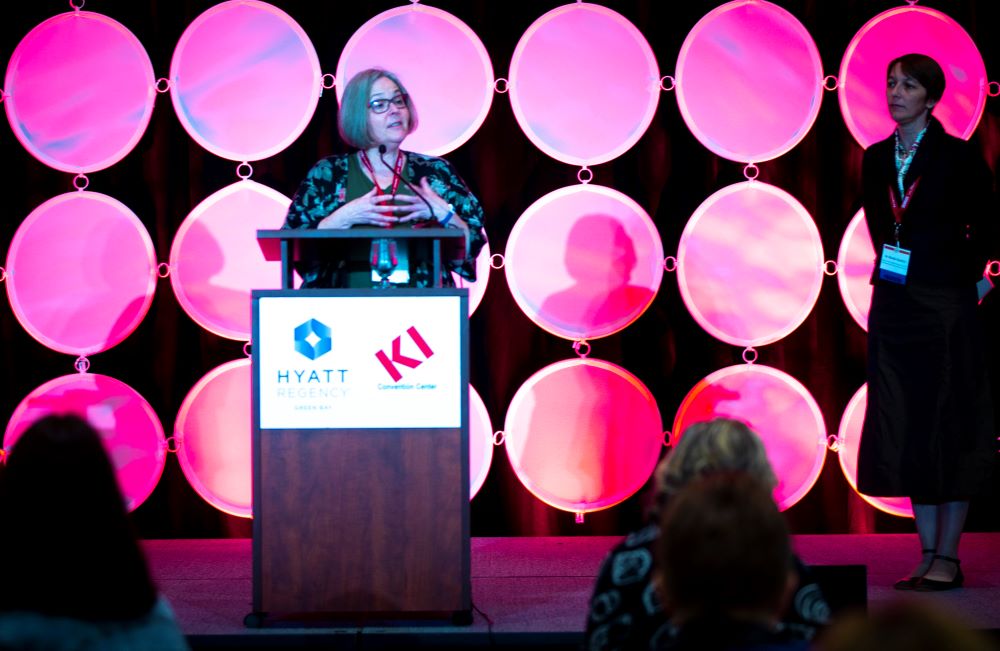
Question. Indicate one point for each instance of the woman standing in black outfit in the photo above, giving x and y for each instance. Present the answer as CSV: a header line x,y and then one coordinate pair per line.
x,y
928,432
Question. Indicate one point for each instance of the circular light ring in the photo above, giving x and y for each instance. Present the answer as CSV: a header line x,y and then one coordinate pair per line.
x,y
583,435
855,262
131,432
245,80
81,273
584,84
442,63
214,436
63,113
899,31
749,81
478,288
778,408
750,264
849,436
584,262
215,260
480,442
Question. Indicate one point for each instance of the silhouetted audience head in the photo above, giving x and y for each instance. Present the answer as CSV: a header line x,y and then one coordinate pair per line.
x,y
67,545
904,625
724,550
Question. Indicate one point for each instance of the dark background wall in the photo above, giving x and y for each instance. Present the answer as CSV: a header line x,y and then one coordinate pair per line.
x,y
668,173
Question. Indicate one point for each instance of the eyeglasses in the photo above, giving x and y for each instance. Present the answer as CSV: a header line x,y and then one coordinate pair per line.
x,y
382,105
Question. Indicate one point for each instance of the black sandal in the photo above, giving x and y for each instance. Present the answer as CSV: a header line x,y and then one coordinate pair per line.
x,y
933,585
910,582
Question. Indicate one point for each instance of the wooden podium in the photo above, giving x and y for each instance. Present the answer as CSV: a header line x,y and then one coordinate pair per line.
x,y
360,448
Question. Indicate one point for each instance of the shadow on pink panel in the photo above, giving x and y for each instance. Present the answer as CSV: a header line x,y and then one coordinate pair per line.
x,y
849,439
584,262
442,63
899,31
584,84
63,113
129,429
778,408
749,81
750,264
855,262
81,273
480,442
245,80
214,436
583,435
215,260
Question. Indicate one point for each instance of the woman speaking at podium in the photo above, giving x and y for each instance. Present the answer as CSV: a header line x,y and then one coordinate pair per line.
x,y
380,185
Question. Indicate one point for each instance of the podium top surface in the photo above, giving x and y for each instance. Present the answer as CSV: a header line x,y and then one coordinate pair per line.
x,y
436,232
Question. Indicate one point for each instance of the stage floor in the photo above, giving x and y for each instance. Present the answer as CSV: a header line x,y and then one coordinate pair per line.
x,y
534,591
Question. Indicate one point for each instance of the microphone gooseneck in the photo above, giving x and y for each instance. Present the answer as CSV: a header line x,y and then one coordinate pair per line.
x,y
381,155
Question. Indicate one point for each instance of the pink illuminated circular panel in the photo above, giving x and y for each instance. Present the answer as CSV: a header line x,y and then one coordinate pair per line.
x,y
64,103
584,84
584,261
583,435
245,80
441,62
215,260
478,288
129,429
850,438
855,263
213,432
81,273
899,31
778,408
480,442
749,81
750,264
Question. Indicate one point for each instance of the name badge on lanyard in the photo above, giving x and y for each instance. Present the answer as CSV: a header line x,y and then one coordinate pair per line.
x,y
895,260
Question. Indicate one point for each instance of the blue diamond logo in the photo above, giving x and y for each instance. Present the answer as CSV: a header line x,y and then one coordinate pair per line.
x,y
312,339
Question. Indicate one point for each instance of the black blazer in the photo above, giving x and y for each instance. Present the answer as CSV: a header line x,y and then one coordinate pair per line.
x,y
950,226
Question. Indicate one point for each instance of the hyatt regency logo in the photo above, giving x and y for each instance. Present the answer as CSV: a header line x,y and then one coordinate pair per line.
x,y
312,339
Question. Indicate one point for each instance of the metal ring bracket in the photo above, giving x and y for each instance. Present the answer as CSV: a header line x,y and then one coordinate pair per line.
x,y
82,364
585,175
328,81
81,182
670,78
501,85
751,172
163,270
582,348
830,268
244,170
826,82
162,85
749,355
499,437
670,264
497,261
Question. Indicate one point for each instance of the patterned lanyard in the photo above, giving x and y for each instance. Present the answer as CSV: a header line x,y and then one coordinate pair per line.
x,y
396,175
904,158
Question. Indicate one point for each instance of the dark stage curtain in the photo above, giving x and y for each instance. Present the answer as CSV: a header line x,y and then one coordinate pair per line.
x,y
668,173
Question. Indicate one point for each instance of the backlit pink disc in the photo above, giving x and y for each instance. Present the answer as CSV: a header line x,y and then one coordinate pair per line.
x,y
215,260
778,408
855,263
749,81
213,433
850,438
583,435
245,80
441,62
750,264
80,91
130,430
584,261
899,31
480,442
584,84
81,273
478,288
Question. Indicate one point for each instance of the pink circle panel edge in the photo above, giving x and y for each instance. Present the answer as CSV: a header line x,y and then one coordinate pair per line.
x,y
215,260
131,432
774,405
442,63
584,84
758,57
899,31
245,80
214,435
750,264
81,273
855,262
584,261
583,435
64,114
480,442
849,435
476,289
